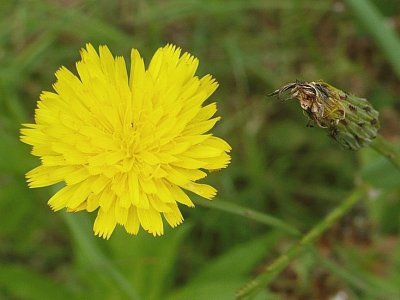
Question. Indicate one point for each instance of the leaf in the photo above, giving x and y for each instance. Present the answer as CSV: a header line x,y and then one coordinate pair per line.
x,y
97,265
22,283
222,277
147,261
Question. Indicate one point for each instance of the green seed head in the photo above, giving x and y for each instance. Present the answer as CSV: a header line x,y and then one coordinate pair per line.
x,y
350,120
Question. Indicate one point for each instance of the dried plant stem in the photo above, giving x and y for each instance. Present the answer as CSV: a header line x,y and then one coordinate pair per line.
x,y
380,145
282,261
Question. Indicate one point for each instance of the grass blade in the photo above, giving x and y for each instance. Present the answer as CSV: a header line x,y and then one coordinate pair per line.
x,y
378,28
85,241
248,213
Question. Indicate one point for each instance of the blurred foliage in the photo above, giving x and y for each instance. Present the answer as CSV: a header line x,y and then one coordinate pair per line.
x,y
279,166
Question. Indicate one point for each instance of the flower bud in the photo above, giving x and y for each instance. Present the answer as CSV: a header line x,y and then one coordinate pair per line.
x,y
350,120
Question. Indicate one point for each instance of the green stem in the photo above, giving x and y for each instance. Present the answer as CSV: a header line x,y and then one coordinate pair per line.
x,y
381,146
80,229
248,213
271,271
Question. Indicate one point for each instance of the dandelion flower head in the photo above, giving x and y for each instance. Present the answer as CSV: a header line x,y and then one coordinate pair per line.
x,y
127,146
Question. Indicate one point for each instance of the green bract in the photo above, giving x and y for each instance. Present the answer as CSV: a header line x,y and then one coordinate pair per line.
x,y
350,120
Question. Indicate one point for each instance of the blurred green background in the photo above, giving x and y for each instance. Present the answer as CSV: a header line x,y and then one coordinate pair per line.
x,y
279,167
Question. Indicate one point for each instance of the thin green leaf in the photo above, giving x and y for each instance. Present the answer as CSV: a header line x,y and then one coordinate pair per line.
x,y
248,213
378,28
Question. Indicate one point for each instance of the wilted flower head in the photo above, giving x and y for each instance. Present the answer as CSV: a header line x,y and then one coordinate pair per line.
x,y
127,146
350,120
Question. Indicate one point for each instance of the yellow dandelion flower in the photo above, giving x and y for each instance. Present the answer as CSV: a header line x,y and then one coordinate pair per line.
x,y
129,147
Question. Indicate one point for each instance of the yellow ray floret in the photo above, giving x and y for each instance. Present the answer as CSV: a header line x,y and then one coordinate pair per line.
x,y
127,145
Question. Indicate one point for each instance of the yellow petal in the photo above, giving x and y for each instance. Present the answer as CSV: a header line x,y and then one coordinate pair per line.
x,y
132,223
218,143
181,196
201,127
105,223
82,206
60,199
121,214
214,163
99,184
164,191
174,218
204,190
157,204
189,163
175,177
206,112
92,202
151,221
80,194
78,175
43,176
106,199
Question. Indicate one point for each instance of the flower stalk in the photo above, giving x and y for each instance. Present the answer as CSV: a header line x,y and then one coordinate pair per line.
x,y
386,149
278,265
